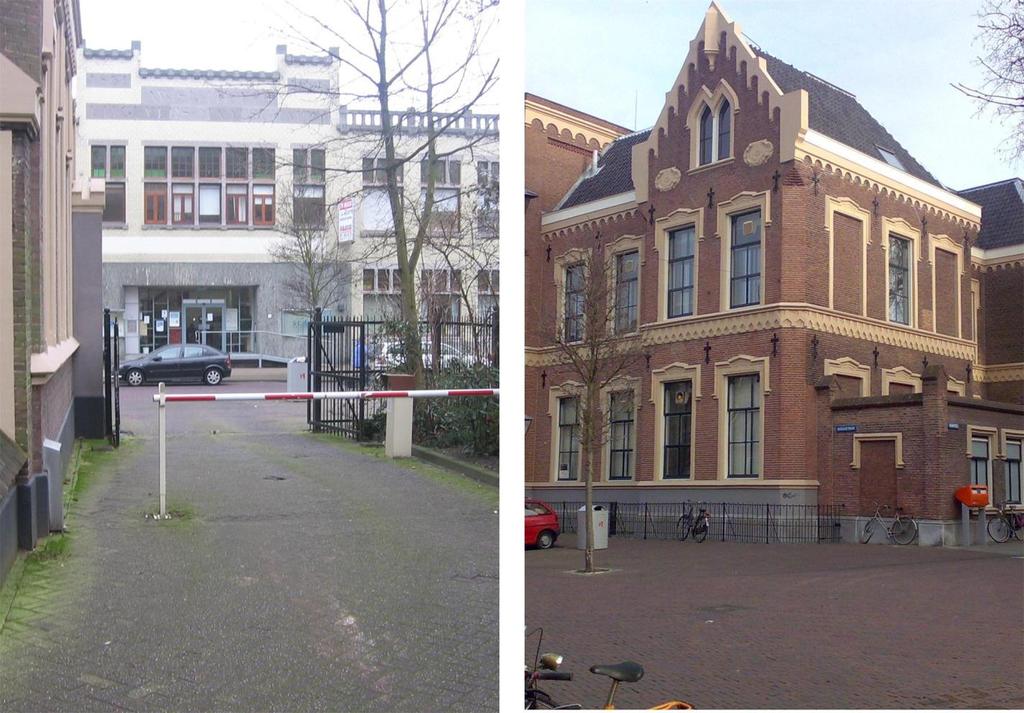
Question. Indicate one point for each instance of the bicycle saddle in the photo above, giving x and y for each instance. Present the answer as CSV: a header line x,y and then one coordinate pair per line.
x,y
626,672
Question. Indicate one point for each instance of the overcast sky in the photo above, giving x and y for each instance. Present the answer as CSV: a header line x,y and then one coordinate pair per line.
x,y
898,58
244,34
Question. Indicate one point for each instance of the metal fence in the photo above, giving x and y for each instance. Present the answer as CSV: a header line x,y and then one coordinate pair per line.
x,y
345,354
111,382
730,522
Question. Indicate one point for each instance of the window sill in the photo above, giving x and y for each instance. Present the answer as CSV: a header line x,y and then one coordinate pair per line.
x,y
114,226
194,228
709,166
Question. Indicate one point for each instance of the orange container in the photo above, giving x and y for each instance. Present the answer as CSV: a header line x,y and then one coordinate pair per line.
x,y
973,496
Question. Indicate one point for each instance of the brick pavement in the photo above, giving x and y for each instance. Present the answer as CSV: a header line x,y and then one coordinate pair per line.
x,y
726,625
309,577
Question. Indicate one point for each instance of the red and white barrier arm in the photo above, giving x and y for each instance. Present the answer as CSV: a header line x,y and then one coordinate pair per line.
x,y
318,395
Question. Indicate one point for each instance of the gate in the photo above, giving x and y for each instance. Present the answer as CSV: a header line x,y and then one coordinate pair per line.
x,y
111,382
346,354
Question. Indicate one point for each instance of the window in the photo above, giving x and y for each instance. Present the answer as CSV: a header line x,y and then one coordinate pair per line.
x,y
447,175
487,208
381,288
237,160
374,173
309,206
263,163
99,161
574,300
899,280
117,161
890,158
487,292
1013,484
724,131
620,450
183,162
182,204
237,204
707,128
715,143
317,166
299,168
154,161
678,414
568,439
382,279
262,205
680,272
744,426
745,260
980,466
627,280
209,162
442,294
447,172
156,203
113,207
209,203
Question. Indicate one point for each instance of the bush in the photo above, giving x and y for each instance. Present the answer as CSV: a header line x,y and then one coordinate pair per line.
x,y
470,422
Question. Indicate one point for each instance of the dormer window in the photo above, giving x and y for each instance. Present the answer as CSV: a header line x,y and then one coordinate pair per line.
x,y
891,158
715,133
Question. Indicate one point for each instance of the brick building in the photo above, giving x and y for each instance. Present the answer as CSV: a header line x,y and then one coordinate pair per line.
x,y
50,318
822,321
207,171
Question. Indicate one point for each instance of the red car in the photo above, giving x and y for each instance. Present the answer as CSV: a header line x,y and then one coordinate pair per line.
x,y
541,524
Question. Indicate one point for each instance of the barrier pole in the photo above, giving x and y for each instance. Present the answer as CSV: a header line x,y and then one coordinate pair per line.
x,y
162,410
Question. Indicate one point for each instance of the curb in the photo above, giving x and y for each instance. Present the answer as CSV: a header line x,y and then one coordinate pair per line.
x,y
481,475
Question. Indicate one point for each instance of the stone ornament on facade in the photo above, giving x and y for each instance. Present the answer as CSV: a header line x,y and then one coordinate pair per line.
x,y
667,179
758,153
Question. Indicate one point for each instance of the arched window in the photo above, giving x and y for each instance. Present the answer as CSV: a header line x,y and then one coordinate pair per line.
x,y
724,130
707,133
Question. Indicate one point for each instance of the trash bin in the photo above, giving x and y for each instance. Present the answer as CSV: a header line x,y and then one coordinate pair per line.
x,y
600,519
297,376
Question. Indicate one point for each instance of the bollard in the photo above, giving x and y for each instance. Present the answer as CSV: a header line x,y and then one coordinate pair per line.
x,y
398,428
162,410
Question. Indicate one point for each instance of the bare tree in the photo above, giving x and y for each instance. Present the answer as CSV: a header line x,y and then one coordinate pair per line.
x,y
309,245
426,53
598,343
1001,38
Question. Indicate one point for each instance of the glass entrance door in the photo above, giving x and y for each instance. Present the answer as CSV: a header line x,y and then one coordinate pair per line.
x,y
204,324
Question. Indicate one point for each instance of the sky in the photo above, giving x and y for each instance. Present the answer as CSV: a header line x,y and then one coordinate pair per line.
x,y
616,59
244,34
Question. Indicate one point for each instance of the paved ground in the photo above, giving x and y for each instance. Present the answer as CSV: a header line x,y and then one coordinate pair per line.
x,y
303,576
725,625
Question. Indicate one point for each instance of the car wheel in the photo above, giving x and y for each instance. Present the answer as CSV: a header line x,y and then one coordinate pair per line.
x,y
135,377
212,376
545,540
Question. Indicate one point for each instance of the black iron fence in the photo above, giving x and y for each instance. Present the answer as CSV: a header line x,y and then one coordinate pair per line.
x,y
347,354
730,522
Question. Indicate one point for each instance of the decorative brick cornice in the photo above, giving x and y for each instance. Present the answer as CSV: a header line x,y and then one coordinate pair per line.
x,y
788,316
991,373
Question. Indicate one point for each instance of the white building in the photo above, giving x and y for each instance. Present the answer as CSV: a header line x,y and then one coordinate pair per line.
x,y
202,168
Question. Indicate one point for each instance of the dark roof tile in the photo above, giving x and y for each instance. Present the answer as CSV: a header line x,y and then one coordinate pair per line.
x,y
614,172
1002,212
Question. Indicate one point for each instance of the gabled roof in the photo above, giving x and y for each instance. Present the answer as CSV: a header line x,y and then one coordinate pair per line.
x,y
614,172
837,114
1002,212
831,111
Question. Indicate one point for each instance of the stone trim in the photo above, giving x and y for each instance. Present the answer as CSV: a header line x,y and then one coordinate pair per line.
x,y
904,230
563,390
849,208
659,377
900,375
851,368
738,366
713,100
1006,434
739,203
618,384
990,373
624,244
946,244
680,218
561,263
956,386
860,438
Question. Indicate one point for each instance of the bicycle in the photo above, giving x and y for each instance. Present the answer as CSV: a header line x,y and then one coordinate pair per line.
x,y
1006,524
903,530
545,668
697,526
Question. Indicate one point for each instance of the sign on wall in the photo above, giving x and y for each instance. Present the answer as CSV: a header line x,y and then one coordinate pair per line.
x,y
346,220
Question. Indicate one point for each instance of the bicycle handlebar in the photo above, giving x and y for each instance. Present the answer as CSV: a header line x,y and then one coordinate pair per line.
x,y
553,675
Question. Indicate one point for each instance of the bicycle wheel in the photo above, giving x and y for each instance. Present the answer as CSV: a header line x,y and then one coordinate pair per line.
x,y
999,529
904,530
683,526
700,531
869,530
